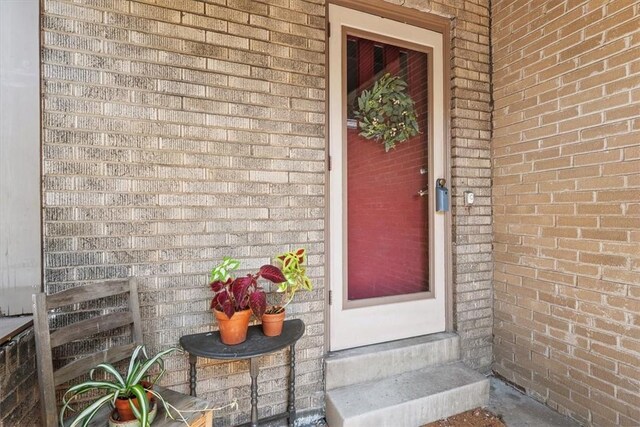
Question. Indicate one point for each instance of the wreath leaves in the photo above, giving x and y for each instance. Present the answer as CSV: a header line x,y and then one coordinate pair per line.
x,y
387,113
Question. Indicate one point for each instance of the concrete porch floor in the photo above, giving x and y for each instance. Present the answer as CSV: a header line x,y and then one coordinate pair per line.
x,y
516,409
519,410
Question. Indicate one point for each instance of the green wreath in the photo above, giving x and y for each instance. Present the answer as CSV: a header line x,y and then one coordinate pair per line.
x,y
387,113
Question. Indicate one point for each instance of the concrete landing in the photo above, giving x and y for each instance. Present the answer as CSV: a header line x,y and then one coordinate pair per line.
x,y
409,399
519,410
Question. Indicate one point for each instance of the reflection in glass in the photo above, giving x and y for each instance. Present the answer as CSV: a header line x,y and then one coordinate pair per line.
x,y
387,245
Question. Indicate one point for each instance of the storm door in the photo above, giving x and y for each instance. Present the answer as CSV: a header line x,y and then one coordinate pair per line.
x,y
386,137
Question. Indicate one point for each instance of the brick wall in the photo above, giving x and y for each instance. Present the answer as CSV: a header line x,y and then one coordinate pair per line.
x,y
470,171
566,153
177,132
18,382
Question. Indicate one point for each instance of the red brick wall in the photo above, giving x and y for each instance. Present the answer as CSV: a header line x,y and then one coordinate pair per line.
x,y
566,200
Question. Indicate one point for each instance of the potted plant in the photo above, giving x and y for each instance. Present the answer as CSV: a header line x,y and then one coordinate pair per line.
x,y
236,298
296,279
132,394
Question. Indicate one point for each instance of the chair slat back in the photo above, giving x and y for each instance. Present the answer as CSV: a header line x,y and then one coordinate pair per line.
x,y
86,293
46,340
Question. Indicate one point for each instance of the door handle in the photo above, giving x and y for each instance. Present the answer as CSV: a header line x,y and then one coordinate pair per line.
x,y
423,193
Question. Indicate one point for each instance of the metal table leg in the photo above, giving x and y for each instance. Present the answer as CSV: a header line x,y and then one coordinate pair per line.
x,y
192,374
253,370
292,385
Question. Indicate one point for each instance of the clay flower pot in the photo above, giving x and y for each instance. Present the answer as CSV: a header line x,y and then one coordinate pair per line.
x,y
125,413
233,331
272,324
115,419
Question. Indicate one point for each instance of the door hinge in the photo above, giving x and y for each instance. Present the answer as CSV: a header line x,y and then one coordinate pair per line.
x,y
328,29
329,163
330,298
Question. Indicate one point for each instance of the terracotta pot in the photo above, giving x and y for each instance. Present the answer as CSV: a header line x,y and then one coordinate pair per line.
x,y
233,331
115,421
125,413
272,324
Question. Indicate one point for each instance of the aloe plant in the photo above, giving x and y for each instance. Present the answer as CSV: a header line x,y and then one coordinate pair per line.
x,y
128,386
237,294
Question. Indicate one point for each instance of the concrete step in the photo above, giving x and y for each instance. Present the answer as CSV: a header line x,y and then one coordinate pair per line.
x,y
410,399
378,361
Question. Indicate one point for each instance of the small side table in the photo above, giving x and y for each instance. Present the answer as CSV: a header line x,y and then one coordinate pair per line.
x,y
209,345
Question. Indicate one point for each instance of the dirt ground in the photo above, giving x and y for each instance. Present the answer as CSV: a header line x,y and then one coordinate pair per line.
x,y
474,418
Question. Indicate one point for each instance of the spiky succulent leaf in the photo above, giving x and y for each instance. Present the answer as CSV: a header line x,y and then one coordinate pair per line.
x,y
88,419
142,414
109,369
87,386
165,404
133,361
155,360
89,411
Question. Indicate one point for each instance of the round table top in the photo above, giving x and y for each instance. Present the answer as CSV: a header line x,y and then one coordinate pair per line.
x,y
208,344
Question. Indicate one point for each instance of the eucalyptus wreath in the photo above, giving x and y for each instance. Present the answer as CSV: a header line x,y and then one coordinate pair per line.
x,y
386,112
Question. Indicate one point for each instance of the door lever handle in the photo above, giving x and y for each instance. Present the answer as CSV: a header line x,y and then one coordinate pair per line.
x,y
423,193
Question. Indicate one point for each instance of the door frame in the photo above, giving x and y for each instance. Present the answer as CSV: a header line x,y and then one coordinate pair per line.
x,y
433,23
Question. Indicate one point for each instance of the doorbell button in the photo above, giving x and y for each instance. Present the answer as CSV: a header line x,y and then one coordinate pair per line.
x,y
469,198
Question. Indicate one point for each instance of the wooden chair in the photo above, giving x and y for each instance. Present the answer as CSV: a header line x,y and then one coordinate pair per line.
x,y
49,379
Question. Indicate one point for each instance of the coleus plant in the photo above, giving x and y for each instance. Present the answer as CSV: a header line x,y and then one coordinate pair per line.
x,y
241,293
295,273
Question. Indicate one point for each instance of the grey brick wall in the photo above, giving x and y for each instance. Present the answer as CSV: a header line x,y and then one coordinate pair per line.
x,y
177,132
18,382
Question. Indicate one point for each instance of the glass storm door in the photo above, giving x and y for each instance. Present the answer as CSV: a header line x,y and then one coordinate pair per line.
x,y
387,262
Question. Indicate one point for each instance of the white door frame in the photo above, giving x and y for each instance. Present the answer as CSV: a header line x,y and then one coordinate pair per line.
x,y
358,318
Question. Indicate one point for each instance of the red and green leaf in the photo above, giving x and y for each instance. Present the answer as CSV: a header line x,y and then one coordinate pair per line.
x,y
272,273
240,289
258,303
228,308
218,285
